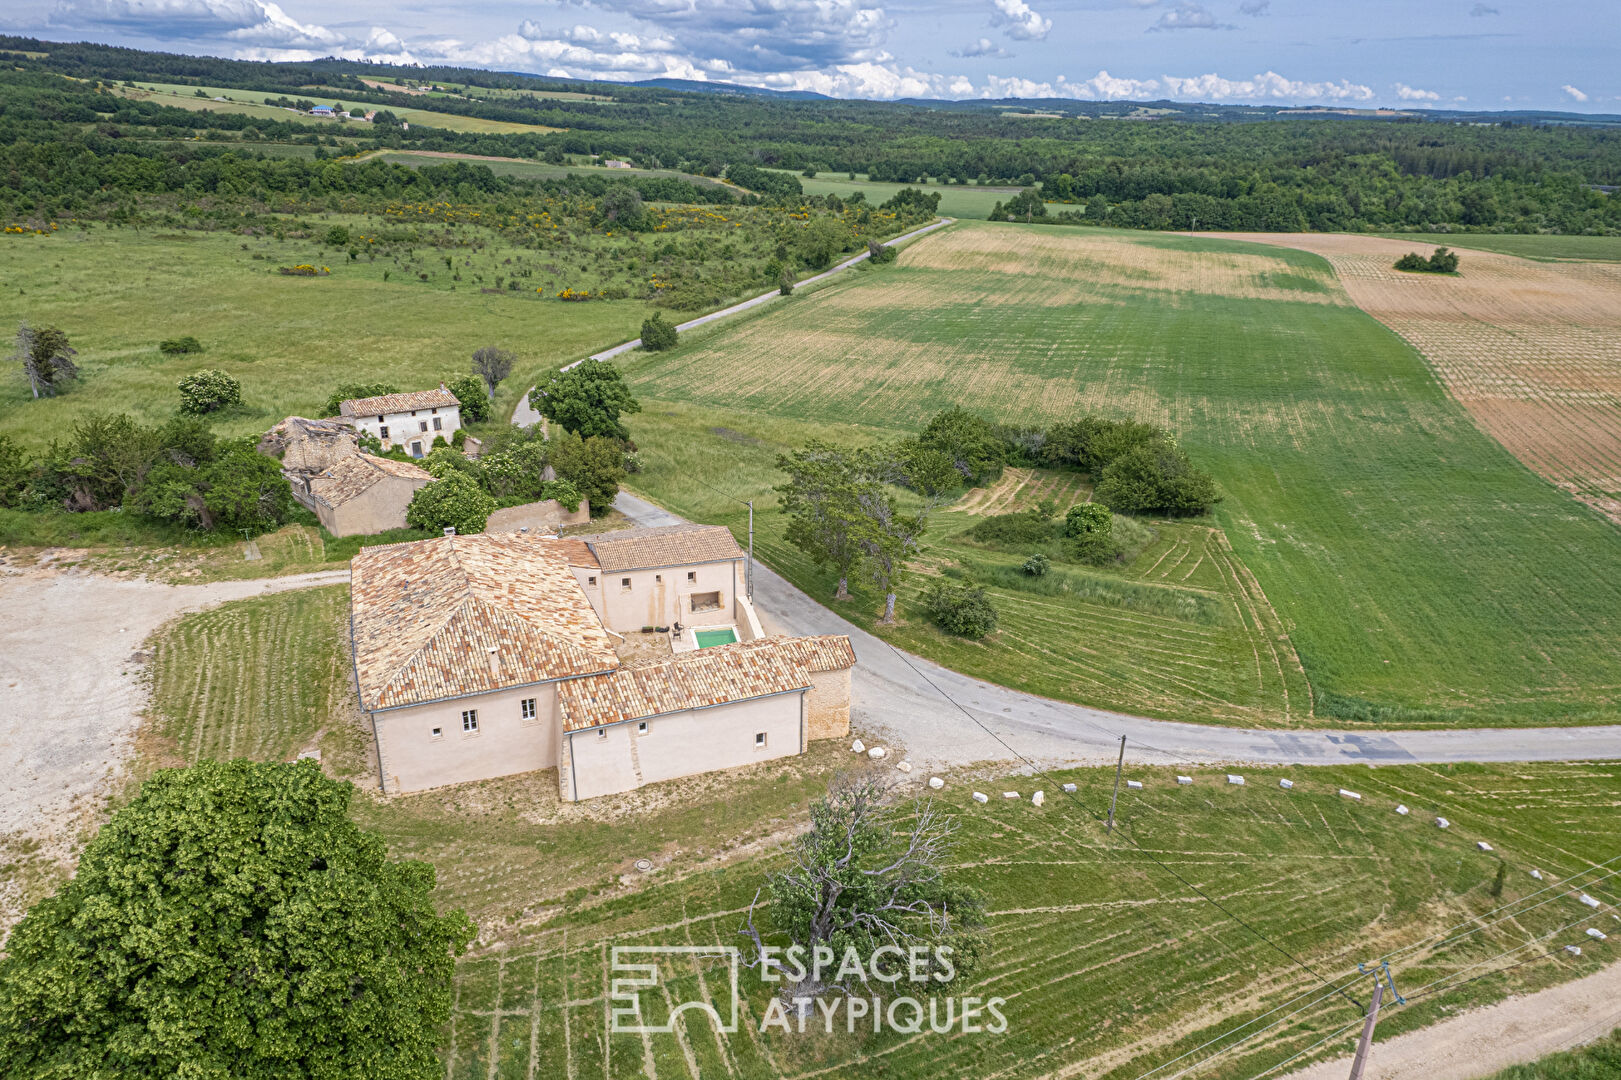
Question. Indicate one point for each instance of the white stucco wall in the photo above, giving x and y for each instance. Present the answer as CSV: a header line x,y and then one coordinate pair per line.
x,y
403,427
679,744
413,759
662,596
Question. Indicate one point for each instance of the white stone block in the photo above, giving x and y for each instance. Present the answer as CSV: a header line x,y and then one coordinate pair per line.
x,y
1442,823
1038,798
1010,794
1537,874
936,783
1350,795
1184,780
1135,784
1589,901
877,752
858,747
1482,845
981,797
1069,787
1231,779
1597,935
905,766
1286,785
1403,811
1574,950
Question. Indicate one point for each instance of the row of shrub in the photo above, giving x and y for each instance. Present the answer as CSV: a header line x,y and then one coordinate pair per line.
x,y
1138,467
178,472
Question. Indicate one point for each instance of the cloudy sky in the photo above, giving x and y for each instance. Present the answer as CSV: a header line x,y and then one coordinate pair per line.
x,y
1479,54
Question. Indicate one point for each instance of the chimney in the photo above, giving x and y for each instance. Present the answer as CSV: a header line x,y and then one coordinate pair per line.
x,y
524,530
450,530
442,386
495,661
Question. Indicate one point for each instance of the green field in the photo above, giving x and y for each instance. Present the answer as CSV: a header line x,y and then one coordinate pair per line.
x,y
1107,960
290,340
956,200
251,103
1595,248
1422,574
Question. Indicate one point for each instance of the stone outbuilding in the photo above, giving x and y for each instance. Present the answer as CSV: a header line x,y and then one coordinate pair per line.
x,y
362,494
410,421
307,447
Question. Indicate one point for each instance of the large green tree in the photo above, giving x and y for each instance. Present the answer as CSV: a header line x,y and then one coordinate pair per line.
x,y
587,401
819,499
232,923
46,359
595,466
454,501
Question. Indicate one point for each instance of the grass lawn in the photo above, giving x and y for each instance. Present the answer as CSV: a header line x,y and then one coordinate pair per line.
x,y
1422,574
1599,248
1107,961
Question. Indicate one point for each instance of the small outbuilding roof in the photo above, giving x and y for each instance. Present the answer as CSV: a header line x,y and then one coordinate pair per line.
x,y
460,615
396,403
697,680
664,545
352,476
826,652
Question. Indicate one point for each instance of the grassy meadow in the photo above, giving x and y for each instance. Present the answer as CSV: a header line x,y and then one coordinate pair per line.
x,y
1420,572
1600,1060
1109,963
967,201
251,103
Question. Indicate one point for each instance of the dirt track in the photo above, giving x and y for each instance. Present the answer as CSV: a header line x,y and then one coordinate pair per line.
x,y
1486,1041
72,682
1531,349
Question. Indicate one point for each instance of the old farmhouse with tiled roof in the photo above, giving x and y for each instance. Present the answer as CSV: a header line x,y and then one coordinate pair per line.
x,y
411,421
484,656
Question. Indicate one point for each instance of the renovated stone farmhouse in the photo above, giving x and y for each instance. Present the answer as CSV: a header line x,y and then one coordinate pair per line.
x,y
409,420
490,655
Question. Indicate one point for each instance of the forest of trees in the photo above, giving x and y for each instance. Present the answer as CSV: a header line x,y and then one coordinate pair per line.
x,y
1216,169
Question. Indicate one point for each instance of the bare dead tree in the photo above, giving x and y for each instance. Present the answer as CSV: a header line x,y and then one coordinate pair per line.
x,y
870,872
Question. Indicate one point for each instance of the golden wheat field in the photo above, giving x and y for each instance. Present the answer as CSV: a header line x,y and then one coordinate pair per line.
x,y
1531,349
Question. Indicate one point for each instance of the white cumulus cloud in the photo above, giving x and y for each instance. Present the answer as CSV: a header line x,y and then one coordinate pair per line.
x,y
1409,93
982,47
1573,92
1188,15
1269,86
1019,20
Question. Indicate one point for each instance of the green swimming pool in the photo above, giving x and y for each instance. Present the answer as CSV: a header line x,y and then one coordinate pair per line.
x,y
724,636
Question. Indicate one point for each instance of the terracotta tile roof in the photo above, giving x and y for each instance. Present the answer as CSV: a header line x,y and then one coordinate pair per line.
x,y
568,549
828,652
427,613
695,680
353,475
393,403
665,545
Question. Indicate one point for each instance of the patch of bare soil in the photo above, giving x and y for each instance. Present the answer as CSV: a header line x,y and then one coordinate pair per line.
x,y
1531,349
1485,1041
72,680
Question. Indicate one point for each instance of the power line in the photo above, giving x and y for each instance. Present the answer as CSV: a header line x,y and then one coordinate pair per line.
x,y
1150,855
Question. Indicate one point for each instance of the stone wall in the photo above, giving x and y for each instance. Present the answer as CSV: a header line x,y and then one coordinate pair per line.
x,y
543,516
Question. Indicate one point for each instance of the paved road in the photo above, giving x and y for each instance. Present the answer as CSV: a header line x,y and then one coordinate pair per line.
x,y
893,697
524,416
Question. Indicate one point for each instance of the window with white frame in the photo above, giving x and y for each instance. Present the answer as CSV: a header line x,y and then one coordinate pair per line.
x,y
624,584
438,733
470,721
526,708
692,577
759,740
602,733
591,580
641,727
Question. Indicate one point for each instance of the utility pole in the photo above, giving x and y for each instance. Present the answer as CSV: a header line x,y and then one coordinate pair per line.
x,y
748,580
1117,767
1361,1058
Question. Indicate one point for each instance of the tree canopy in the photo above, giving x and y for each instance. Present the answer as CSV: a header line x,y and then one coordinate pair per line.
x,y
233,923
587,401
